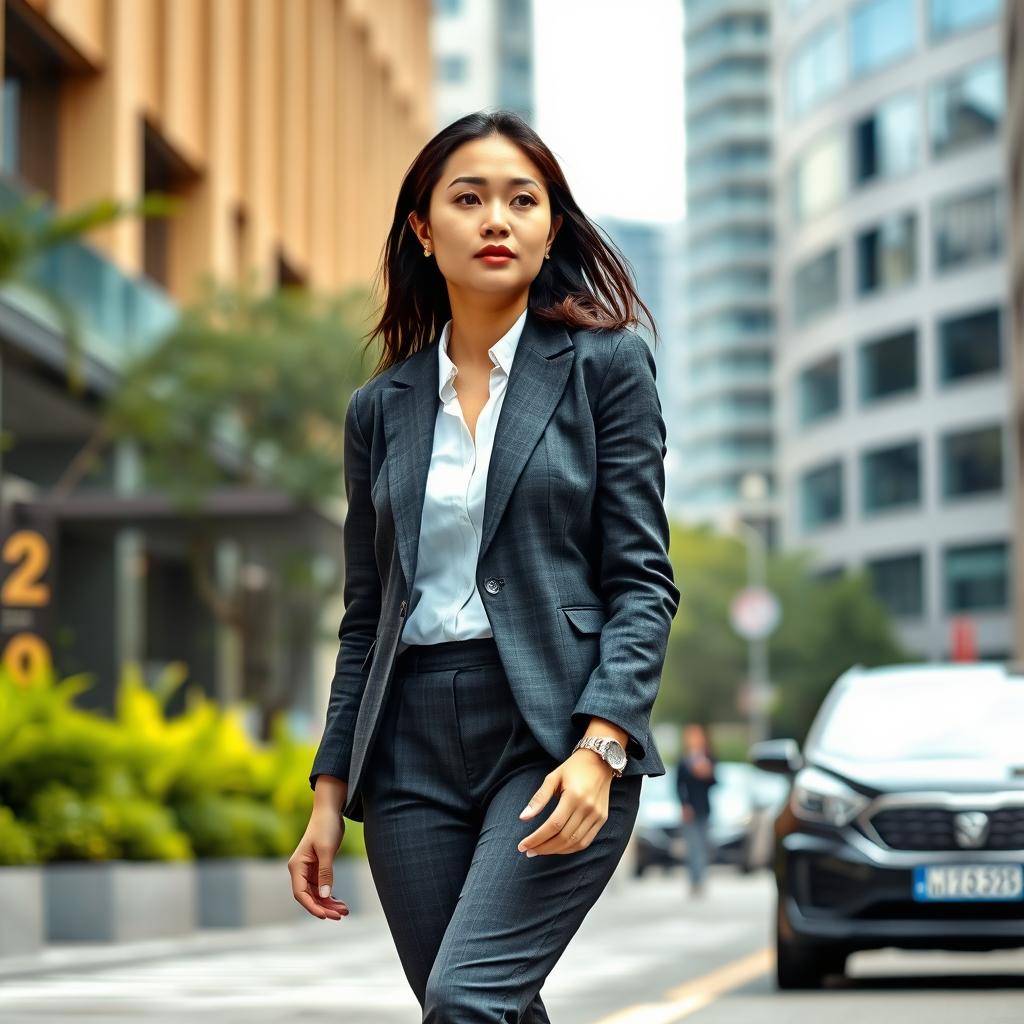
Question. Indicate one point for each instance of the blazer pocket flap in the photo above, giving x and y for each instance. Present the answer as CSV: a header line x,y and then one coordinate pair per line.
x,y
369,656
586,618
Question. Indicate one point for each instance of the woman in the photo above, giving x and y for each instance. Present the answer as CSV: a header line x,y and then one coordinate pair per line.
x,y
695,775
508,592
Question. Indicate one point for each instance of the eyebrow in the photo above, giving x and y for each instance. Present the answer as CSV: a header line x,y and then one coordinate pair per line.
x,y
472,180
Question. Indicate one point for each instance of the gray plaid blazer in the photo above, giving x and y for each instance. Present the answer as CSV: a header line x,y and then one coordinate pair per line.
x,y
573,565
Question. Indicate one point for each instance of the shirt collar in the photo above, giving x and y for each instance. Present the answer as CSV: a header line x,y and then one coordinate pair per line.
x,y
501,352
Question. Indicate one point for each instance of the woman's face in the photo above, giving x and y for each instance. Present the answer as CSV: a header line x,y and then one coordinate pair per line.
x,y
489,193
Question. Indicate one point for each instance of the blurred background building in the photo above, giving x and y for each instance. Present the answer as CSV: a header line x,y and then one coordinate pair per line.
x,y
725,377
895,448
284,130
1013,55
483,52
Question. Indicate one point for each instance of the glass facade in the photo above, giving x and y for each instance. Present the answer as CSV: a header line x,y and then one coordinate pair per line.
x,y
819,391
891,477
970,345
888,366
818,178
816,70
816,286
968,228
966,108
881,31
977,577
972,462
887,254
948,16
898,582
821,495
887,141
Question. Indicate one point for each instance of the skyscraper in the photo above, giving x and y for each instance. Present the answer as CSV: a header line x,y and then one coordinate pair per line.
x,y
726,376
893,398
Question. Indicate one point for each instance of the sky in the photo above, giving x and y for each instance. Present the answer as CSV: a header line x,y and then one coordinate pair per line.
x,y
609,103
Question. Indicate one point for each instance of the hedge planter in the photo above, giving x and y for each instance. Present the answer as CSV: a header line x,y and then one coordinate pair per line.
x,y
119,900
22,927
243,892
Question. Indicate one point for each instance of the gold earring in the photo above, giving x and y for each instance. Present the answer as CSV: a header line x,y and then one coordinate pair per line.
x,y
426,252
547,255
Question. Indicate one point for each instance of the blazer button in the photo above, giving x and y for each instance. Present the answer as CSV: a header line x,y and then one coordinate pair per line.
x,y
492,585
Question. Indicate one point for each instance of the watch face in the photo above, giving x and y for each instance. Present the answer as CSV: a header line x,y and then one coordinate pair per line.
x,y
616,755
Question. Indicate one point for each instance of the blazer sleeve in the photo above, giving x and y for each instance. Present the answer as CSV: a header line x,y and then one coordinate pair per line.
x,y
362,597
636,576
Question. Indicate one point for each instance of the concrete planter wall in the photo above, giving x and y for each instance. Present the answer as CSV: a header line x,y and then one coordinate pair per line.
x,y
119,901
22,924
242,892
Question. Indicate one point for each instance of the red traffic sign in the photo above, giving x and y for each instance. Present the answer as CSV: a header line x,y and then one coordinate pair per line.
x,y
754,612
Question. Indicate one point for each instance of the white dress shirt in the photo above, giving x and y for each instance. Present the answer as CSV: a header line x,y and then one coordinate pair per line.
x,y
445,603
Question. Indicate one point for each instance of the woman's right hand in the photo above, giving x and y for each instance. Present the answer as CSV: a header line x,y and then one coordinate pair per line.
x,y
312,864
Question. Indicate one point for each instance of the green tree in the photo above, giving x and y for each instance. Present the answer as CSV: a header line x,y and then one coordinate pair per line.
x,y
826,626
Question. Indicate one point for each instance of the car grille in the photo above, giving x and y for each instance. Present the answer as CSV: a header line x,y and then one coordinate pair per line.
x,y
934,828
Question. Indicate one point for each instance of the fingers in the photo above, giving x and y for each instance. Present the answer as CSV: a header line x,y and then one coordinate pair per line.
x,y
305,875
574,815
543,795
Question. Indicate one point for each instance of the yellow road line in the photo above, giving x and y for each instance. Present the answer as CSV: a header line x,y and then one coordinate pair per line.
x,y
686,999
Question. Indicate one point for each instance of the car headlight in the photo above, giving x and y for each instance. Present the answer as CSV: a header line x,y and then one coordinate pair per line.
x,y
818,796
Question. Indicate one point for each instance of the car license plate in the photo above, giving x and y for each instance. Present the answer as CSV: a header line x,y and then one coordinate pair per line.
x,y
969,882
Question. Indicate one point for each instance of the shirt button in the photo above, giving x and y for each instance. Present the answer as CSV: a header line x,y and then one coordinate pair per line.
x,y
491,585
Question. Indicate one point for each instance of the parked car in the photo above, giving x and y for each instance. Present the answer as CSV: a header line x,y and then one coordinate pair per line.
x,y
905,820
735,802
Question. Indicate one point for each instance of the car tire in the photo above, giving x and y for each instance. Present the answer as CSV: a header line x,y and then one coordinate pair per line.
x,y
804,965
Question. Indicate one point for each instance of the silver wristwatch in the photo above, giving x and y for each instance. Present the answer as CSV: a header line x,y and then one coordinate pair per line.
x,y
610,750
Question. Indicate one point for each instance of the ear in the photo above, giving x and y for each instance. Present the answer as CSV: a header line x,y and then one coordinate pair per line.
x,y
420,228
556,223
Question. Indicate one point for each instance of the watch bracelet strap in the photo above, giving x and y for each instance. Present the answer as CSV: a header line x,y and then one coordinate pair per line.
x,y
583,744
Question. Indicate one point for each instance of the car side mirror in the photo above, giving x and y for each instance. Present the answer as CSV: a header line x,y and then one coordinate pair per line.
x,y
780,756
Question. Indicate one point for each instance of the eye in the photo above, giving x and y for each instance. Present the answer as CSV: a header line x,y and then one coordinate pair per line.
x,y
472,195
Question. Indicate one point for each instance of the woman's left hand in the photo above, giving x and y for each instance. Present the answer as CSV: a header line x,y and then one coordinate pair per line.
x,y
584,780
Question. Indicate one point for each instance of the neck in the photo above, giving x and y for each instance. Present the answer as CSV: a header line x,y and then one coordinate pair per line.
x,y
476,326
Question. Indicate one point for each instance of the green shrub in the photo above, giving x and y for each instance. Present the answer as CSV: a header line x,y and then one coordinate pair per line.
x,y
234,826
16,843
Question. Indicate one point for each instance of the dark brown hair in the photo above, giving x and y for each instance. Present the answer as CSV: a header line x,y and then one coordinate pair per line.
x,y
587,283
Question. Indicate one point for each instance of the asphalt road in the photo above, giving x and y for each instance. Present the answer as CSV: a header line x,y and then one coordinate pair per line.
x,y
646,954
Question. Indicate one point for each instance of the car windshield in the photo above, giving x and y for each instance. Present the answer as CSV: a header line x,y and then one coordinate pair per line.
x,y
967,715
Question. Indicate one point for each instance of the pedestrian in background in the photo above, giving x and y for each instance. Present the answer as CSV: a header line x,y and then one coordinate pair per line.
x,y
489,719
695,775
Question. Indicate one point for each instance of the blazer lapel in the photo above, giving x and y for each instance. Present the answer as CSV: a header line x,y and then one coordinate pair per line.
x,y
409,408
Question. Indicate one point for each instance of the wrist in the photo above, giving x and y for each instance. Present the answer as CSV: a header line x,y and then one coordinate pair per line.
x,y
602,727
330,793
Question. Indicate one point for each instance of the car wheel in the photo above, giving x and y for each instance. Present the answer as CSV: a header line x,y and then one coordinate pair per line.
x,y
803,965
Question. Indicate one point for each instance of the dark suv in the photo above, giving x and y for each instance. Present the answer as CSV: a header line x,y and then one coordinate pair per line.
x,y
905,820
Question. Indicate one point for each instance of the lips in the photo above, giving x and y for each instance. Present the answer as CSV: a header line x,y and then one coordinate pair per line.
x,y
495,250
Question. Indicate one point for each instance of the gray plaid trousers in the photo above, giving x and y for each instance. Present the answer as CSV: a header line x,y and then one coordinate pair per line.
x,y
477,924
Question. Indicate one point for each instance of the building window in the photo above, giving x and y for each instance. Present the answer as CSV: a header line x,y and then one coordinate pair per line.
x,y
821,495
447,6
888,366
972,462
970,345
818,179
819,391
816,286
948,16
977,577
453,68
887,141
898,582
966,108
816,70
891,477
968,228
887,254
881,31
